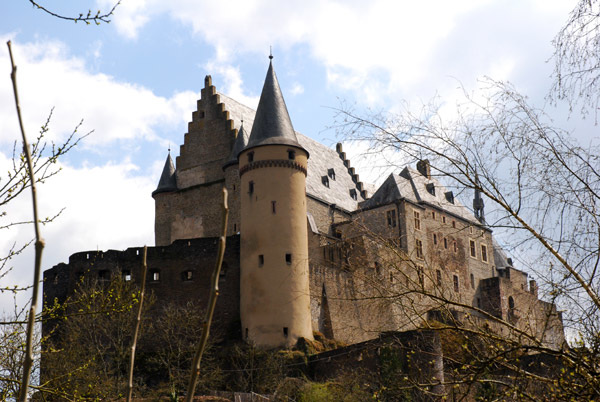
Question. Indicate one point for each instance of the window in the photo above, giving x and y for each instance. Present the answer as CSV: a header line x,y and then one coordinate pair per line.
x,y
250,157
473,249
446,243
325,181
433,215
246,333
430,188
443,219
435,238
420,275
251,187
392,280
417,217
273,208
155,276
472,282
456,287
331,173
455,246
450,197
353,194
288,259
126,274
419,248
188,275
391,218
511,303
291,154
438,276
285,331
261,260
484,256
454,224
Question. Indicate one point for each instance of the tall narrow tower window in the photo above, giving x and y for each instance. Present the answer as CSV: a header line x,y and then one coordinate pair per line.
x,y
261,260
285,331
251,187
288,259
250,157
291,154
273,206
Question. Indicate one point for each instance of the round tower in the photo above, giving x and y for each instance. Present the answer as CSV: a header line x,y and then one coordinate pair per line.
x,y
274,283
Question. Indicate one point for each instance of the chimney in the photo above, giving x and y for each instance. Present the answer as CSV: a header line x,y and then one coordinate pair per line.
x,y
533,288
424,168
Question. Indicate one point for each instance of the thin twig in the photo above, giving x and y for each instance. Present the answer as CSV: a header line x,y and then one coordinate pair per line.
x,y
212,301
97,18
39,243
137,324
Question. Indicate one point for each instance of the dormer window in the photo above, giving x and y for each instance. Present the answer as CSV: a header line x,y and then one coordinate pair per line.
x,y
291,154
450,197
353,194
430,188
331,173
250,157
325,181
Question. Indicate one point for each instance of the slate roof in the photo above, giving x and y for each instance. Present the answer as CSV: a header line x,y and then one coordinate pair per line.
x,y
240,142
411,185
272,123
168,180
322,158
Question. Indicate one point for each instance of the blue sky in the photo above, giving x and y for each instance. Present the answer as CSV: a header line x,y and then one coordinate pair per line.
x,y
135,82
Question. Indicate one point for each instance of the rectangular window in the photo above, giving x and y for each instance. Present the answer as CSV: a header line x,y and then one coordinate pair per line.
x,y
472,248
391,218
126,276
445,243
438,276
472,282
331,173
273,208
454,224
285,331
456,287
325,181
288,259
261,260
443,219
251,187
250,157
435,238
433,215
417,217
484,256
419,248
455,246
291,154
155,276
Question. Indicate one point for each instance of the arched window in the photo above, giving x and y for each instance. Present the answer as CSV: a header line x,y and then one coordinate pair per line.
x,y
511,303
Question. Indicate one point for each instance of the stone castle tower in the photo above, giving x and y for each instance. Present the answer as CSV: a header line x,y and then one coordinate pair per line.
x,y
274,276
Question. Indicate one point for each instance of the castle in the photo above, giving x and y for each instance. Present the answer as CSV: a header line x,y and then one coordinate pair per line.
x,y
309,246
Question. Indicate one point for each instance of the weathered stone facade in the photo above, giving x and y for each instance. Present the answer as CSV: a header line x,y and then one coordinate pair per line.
x,y
372,258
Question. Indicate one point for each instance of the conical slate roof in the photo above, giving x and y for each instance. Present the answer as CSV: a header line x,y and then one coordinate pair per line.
x,y
272,124
238,146
168,181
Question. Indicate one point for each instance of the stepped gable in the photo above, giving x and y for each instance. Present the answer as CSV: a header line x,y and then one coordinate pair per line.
x,y
208,142
168,181
322,159
272,123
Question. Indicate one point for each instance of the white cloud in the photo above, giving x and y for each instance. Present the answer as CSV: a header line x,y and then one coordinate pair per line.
x,y
49,76
106,207
297,89
232,84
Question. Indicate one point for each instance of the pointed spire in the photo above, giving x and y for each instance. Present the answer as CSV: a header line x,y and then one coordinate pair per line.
x,y
272,123
168,180
238,146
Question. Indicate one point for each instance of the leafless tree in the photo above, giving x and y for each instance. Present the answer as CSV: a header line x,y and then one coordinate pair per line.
x,y
542,197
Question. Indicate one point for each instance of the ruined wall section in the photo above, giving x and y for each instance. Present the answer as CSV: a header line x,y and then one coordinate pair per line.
x,y
177,274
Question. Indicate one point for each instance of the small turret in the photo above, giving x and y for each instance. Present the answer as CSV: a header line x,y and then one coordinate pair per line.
x,y
168,180
238,146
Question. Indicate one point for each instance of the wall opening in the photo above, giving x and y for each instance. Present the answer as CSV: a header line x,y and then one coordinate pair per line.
x,y
261,260
285,331
126,274
288,259
456,286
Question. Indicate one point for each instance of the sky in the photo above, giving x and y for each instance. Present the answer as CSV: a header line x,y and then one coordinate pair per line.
x,y
135,81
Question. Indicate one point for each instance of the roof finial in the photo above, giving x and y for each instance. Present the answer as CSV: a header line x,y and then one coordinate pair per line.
x,y
169,148
270,52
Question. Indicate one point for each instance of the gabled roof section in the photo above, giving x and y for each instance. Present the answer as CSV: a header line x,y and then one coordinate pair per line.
x,y
168,180
272,123
239,144
413,186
